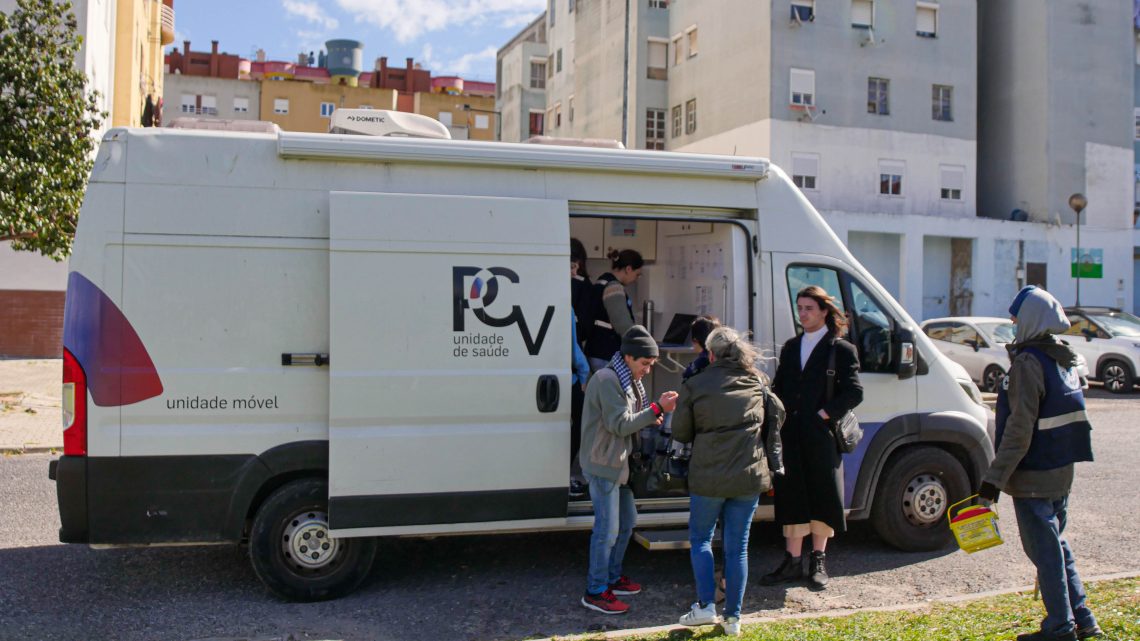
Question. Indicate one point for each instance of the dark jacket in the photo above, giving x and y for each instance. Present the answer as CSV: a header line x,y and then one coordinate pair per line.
x,y
812,485
721,412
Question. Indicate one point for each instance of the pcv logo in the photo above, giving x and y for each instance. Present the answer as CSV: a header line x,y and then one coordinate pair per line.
x,y
482,292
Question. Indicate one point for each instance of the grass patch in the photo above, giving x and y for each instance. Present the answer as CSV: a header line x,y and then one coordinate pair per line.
x,y
1115,603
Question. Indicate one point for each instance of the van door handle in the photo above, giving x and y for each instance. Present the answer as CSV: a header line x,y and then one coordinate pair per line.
x,y
304,360
546,393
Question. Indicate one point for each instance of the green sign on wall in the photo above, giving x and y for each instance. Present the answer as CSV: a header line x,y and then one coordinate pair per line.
x,y
1090,265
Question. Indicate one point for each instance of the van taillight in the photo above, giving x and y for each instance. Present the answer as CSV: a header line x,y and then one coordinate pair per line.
x,y
74,407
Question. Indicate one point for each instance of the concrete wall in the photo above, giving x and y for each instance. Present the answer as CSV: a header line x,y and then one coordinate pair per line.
x,y
560,84
645,92
880,254
224,90
516,98
599,56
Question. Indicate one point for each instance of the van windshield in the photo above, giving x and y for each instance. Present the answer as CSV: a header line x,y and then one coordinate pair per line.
x,y
1118,323
1002,333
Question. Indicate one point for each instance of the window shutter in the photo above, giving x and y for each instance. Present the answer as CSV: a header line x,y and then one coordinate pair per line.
x,y
862,12
804,166
657,55
927,20
953,178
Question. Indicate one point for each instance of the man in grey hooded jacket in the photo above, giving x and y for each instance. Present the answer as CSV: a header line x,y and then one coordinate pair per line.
x,y
1042,430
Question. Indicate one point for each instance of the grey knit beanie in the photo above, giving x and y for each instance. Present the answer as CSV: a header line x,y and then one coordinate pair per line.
x,y
637,343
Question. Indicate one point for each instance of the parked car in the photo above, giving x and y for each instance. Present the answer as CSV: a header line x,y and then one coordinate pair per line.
x,y
977,343
1109,339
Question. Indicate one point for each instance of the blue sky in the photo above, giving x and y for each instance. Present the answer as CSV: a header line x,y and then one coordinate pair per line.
x,y
446,36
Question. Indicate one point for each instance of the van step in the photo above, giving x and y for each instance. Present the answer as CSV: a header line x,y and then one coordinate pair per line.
x,y
654,540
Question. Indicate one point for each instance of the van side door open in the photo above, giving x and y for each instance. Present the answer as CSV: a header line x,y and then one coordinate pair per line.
x,y
449,397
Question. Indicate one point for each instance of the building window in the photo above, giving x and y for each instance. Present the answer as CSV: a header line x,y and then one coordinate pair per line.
x,y
550,66
677,121
364,107
862,13
241,105
658,59
678,50
658,4
655,129
890,177
1136,117
953,178
570,6
445,118
803,11
691,116
878,96
536,123
926,24
189,104
570,109
940,96
538,75
280,105
558,61
482,121
802,83
557,115
1138,48
550,10
805,170
691,36
327,109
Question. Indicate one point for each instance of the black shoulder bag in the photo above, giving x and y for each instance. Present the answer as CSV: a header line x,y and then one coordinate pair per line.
x,y
844,428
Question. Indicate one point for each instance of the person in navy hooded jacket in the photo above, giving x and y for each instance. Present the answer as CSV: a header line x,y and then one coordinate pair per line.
x,y
1042,430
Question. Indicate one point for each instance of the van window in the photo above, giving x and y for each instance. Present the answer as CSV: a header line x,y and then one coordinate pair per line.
x,y
869,327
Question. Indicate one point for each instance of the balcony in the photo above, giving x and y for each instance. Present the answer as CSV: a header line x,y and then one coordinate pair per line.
x,y
167,21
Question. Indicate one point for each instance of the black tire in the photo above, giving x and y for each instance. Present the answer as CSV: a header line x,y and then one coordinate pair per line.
x,y
286,524
1117,376
991,378
912,496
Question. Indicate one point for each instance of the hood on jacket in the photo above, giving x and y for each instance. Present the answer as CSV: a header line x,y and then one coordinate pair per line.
x,y
1039,317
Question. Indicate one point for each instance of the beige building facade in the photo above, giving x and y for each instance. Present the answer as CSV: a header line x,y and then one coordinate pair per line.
x,y
142,29
305,106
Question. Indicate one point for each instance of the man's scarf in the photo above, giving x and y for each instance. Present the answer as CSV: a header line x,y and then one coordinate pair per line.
x,y
626,378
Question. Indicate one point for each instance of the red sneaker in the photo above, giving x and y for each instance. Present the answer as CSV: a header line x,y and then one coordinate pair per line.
x,y
606,603
625,587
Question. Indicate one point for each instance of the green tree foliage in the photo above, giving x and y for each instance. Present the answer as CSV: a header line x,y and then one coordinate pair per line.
x,y
46,119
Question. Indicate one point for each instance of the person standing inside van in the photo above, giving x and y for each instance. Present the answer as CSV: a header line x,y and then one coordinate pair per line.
x,y
1042,430
721,412
612,307
616,408
809,495
580,290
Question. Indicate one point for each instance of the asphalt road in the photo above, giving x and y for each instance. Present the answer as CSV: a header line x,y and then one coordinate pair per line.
x,y
506,587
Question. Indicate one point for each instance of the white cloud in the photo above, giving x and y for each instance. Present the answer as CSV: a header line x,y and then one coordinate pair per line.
x,y
310,11
463,64
409,19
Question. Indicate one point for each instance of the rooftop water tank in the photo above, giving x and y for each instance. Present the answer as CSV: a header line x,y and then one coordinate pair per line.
x,y
345,57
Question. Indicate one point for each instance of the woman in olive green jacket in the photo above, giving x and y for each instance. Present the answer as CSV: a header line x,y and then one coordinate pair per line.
x,y
721,412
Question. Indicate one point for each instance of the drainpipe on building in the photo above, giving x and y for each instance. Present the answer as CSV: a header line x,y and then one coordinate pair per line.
x,y
625,83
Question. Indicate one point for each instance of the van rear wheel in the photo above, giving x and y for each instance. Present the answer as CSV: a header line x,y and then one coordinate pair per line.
x,y
292,552
912,497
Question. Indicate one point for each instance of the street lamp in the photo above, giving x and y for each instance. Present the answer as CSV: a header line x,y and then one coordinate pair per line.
x,y
1078,202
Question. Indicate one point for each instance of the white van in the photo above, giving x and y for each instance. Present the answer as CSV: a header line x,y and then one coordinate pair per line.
x,y
309,341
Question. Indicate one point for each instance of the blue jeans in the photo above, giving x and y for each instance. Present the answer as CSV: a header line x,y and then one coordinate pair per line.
x,y
703,514
1041,523
614,517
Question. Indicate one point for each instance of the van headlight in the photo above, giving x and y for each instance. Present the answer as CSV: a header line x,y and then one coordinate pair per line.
x,y
972,391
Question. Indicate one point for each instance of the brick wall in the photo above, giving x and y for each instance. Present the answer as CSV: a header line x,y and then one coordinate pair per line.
x,y
31,324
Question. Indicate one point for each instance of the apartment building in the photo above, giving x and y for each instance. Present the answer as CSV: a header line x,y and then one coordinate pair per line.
x,y
520,83
872,108
207,84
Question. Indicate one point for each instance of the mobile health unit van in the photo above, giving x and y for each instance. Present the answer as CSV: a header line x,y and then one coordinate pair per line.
x,y
309,342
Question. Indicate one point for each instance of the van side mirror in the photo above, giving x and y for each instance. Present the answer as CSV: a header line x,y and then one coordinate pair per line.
x,y
904,342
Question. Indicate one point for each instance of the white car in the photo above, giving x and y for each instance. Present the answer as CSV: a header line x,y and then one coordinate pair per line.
x,y
1109,339
977,343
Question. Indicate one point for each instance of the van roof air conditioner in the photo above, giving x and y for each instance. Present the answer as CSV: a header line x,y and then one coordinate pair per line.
x,y
380,122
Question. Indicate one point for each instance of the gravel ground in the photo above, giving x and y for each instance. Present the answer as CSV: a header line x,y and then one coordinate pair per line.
x,y
506,587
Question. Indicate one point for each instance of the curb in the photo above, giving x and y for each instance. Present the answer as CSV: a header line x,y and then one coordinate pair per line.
x,y
838,612
31,449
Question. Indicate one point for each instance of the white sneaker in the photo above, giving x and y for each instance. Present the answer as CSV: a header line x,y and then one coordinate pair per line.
x,y
731,626
700,616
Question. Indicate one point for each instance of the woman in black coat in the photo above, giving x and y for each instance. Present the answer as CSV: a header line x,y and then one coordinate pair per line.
x,y
809,496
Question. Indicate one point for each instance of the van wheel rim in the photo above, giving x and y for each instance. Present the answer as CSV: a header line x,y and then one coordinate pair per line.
x,y
306,542
1114,377
924,500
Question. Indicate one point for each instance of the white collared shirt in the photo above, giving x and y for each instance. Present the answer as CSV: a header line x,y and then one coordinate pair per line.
x,y
810,340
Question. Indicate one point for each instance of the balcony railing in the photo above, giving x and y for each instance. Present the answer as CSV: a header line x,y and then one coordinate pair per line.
x,y
167,24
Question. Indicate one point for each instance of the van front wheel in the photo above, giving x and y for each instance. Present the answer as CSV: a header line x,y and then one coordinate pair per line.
x,y
912,497
292,552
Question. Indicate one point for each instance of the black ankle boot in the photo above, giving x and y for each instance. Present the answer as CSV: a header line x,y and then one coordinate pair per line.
x,y
791,569
818,572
